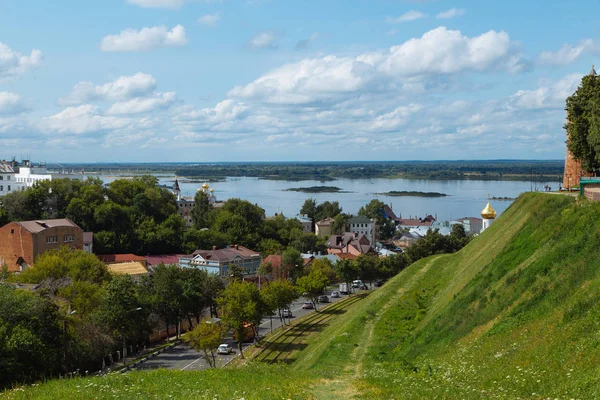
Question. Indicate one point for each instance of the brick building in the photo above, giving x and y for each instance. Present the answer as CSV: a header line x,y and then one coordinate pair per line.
x,y
21,242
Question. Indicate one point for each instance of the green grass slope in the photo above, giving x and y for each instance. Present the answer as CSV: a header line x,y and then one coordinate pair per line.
x,y
515,314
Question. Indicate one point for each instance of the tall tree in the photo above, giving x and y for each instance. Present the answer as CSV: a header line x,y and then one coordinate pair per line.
x,y
292,263
309,208
583,127
278,294
240,304
312,285
201,210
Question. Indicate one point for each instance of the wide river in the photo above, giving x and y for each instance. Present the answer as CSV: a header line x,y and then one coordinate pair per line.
x,y
465,198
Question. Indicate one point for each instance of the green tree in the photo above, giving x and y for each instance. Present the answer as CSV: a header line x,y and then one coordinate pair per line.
x,y
323,265
583,127
339,224
312,285
327,209
206,337
347,271
309,208
367,267
201,210
277,295
292,263
240,304
375,210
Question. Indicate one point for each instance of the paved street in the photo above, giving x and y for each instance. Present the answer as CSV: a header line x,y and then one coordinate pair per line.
x,y
183,357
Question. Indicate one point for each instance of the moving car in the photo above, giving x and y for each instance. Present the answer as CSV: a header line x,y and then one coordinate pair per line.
x,y
323,299
224,349
308,305
335,294
286,313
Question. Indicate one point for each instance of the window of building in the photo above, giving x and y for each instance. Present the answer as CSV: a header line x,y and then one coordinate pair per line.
x,y
51,239
12,231
8,177
69,238
8,188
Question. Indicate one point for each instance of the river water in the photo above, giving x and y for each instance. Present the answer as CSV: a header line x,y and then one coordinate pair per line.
x,y
465,198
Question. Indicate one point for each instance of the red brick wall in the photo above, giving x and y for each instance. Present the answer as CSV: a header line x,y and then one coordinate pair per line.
x,y
592,191
15,245
22,243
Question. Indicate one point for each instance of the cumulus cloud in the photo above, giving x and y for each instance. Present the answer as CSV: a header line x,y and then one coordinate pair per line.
x,y
124,87
11,103
408,16
263,40
569,53
392,120
440,51
451,13
14,64
82,119
546,97
143,104
144,39
209,20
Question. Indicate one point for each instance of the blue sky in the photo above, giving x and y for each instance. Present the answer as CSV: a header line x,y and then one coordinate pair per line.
x,y
274,80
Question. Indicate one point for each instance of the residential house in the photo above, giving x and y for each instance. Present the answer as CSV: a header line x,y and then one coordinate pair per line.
x,y
8,179
219,261
88,242
305,221
21,242
166,259
408,223
125,264
406,239
324,227
349,243
360,225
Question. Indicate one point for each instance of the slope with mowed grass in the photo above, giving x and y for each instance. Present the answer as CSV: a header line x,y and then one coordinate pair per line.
x,y
515,314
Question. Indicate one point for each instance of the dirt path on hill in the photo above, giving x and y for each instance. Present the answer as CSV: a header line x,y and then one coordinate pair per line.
x,y
348,384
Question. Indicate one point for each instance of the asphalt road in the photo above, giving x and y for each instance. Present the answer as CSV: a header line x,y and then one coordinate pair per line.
x,y
183,357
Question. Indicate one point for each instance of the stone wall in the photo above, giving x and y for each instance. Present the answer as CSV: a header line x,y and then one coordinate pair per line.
x,y
592,191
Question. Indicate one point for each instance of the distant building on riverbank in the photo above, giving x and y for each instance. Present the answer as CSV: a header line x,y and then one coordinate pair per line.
x,y
220,261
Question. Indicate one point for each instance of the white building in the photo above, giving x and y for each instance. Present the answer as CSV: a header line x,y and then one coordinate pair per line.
x,y
8,180
29,174
362,226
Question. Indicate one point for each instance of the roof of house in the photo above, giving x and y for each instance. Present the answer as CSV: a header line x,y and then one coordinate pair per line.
x,y
6,168
359,219
304,219
360,243
88,237
324,222
120,258
414,222
43,224
345,256
389,212
226,254
166,259
127,268
274,259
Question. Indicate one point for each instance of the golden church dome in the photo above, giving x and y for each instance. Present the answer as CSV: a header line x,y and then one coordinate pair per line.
x,y
205,186
212,190
488,212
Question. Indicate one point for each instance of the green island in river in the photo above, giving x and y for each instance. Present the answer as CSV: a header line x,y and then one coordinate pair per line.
x,y
316,189
411,193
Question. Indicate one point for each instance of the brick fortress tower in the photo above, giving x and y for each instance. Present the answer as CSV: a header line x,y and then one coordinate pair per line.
x,y
573,170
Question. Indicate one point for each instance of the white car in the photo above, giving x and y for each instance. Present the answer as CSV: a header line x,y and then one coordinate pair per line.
x,y
335,294
286,313
224,349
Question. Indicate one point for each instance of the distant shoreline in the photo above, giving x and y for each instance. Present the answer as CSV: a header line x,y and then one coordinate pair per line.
x,y
411,193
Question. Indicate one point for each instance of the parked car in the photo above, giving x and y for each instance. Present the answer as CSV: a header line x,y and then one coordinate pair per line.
x,y
379,283
224,349
323,299
363,287
335,294
308,305
357,284
286,313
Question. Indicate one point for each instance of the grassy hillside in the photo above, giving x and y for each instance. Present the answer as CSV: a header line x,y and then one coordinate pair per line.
x,y
515,314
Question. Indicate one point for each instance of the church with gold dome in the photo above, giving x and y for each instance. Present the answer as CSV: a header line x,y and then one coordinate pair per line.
x,y
488,214
185,204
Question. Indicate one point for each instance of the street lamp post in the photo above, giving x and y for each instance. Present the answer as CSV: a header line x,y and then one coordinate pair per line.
x,y
125,338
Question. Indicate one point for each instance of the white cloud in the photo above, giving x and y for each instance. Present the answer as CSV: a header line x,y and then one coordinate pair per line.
x,y
82,119
451,13
170,4
209,19
144,39
263,40
396,118
13,64
408,16
440,51
124,87
11,103
546,97
143,104
569,53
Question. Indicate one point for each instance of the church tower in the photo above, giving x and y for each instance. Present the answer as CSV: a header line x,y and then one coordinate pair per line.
x,y
176,190
488,214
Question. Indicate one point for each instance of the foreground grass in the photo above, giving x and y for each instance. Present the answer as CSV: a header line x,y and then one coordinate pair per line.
x,y
515,314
